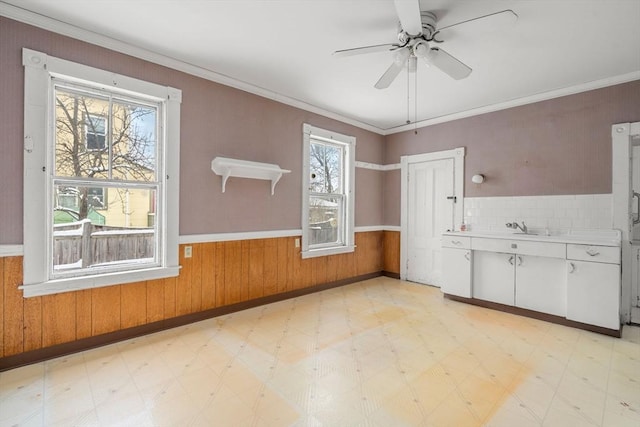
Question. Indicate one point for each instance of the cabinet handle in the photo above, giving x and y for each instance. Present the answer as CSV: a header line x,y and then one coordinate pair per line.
x,y
592,252
466,255
519,260
456,242
572,267
511,259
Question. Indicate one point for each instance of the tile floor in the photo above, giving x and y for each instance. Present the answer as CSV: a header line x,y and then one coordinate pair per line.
x,y
376,353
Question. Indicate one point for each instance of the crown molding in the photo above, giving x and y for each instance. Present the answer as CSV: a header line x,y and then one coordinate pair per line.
x,y
544,96
65,29
59,27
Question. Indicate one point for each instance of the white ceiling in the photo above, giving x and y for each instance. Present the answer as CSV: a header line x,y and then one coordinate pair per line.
x,y
284,48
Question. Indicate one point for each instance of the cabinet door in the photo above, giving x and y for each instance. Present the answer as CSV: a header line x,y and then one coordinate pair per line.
x,y
593,293
456,272
493,276
541,284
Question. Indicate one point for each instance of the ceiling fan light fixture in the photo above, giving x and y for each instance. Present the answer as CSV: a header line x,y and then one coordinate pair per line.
x,y
421,49
431,55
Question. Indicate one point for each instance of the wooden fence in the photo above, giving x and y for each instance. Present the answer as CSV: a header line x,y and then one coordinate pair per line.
x,y
82,244
323,232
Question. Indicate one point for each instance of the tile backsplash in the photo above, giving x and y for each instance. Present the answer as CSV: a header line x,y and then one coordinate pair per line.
x,y
592,211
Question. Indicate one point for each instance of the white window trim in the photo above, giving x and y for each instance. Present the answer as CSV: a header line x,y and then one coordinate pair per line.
x,y
349,186
39,68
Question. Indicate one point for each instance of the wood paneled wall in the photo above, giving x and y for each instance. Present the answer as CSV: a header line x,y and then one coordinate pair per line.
x,y
391,252
218,274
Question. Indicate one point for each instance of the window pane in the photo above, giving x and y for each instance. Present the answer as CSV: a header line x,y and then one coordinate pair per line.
x,y
134,142
325,217
325,163
80,124
105,226
95,131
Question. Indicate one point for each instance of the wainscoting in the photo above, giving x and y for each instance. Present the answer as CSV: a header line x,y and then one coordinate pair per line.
x,y
219,274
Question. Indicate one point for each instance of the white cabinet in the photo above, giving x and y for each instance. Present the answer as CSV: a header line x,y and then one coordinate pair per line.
x,y
493,277
593,288
567,277
541,284
456,266
526,274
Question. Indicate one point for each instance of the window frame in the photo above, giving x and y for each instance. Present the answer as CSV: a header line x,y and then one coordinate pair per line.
x,y
40,70
348,144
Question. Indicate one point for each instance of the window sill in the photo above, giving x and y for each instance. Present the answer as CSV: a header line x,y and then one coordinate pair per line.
x,y
88,282
312,253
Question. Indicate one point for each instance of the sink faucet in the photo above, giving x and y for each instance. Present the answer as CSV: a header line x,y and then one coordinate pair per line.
x,y
516,226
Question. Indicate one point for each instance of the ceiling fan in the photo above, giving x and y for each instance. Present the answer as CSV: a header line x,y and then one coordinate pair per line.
x,y
418,34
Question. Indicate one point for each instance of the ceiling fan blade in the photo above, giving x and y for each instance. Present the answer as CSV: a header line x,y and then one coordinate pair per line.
x,y
390,75
481,23
366,49
447,63
409,14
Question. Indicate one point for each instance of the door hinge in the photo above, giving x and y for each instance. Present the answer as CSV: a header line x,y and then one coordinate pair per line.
x,y
454,198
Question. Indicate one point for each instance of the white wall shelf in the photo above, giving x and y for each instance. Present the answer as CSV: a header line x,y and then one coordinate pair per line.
x,y
227,168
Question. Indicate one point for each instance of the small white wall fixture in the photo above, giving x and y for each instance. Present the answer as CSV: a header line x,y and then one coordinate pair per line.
x,y
228,168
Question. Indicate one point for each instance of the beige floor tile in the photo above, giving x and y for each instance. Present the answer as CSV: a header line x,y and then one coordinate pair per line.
x,y
376,353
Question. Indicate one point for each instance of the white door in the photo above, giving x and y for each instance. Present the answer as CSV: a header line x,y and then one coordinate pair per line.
x,y
624,136
430,212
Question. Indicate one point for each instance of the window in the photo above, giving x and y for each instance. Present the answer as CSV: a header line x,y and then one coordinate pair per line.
x,y
95,132
101,159
328,180
72,198
96,197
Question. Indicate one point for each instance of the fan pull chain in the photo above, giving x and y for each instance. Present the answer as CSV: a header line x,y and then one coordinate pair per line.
x,y
408,91
415,103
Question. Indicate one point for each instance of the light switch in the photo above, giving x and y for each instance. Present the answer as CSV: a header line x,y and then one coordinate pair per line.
x,y
188,251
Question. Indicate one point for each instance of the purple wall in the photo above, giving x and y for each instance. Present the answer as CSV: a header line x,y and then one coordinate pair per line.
x,y
560,146
216,121
554,147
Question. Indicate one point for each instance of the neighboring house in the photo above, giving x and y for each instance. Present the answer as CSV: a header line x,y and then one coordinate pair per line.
x,y
90,148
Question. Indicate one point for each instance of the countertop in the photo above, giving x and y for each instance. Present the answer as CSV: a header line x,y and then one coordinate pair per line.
x,y
596,237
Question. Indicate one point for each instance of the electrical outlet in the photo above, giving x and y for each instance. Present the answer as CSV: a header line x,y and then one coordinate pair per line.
x,y
297,243
188,251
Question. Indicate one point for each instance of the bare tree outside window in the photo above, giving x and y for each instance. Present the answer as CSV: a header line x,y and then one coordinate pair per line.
x,y
98,138
325,203
105,184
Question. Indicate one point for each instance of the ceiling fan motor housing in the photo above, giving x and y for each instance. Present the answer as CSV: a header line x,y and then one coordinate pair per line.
x,y
428,24
428,30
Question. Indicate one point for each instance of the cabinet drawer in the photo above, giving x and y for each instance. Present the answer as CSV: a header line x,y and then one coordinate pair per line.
x,y
460,242
607,254
520,247
544,249
492,245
